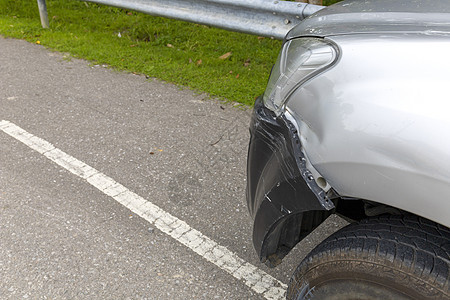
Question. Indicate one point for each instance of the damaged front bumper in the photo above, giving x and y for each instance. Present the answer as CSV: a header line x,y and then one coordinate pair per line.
x,y
283,197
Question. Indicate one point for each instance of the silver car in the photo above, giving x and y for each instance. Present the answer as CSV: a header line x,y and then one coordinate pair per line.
x,y
355,121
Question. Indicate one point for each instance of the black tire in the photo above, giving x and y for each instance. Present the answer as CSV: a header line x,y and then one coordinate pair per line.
x,y
390,257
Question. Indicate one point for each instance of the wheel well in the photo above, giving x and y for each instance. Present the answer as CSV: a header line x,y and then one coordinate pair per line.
x,y
353,209
350,209
292,229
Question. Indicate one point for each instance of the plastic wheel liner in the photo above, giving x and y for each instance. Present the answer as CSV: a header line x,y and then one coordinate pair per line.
x,y
282,196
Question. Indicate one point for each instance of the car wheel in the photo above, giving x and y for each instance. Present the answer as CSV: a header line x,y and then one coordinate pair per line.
x,y
390,257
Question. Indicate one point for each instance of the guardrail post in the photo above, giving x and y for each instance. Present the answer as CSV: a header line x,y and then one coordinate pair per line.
x,y
43,13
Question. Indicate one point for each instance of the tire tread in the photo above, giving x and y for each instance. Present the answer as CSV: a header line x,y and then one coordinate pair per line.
x,y
413,245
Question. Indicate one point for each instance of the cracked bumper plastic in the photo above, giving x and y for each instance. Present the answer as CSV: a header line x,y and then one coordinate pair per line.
x,y
285,202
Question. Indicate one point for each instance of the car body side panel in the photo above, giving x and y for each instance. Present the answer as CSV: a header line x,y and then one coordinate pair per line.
x,y
377,125
382,16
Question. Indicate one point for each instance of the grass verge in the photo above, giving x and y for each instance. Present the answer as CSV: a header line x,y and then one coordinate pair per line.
x,y
224,64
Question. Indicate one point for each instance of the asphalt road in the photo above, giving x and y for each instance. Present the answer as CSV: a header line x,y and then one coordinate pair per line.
x,y
62,237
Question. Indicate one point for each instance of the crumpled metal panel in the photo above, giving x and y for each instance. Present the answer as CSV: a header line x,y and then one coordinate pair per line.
x,y
376,126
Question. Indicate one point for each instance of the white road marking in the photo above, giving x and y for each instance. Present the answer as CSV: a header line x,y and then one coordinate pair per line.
x,y
256,279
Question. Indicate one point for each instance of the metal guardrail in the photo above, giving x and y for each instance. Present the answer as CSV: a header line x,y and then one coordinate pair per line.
x,y
269,18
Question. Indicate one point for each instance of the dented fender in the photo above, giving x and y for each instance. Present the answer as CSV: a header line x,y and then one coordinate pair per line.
x,y
376,125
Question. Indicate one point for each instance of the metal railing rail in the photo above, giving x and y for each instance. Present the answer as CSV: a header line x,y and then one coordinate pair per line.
x,y
269,18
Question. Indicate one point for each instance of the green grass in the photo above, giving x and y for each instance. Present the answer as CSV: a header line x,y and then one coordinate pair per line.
x,y
178,52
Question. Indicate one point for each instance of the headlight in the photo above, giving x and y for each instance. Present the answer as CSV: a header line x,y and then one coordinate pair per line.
x,y
299,60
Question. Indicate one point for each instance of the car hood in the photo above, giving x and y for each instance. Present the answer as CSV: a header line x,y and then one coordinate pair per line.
x,y
377,16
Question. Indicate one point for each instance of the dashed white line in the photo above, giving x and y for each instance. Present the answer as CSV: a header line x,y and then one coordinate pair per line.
x,y
258,280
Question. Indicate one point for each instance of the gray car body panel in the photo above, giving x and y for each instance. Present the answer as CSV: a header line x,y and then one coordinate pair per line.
x,y
373,125
377,16
376,126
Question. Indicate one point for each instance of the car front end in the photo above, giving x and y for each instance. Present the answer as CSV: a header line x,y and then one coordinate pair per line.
x,y
354,121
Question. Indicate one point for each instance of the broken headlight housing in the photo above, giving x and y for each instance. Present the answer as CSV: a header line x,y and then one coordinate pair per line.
x,y
299,60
